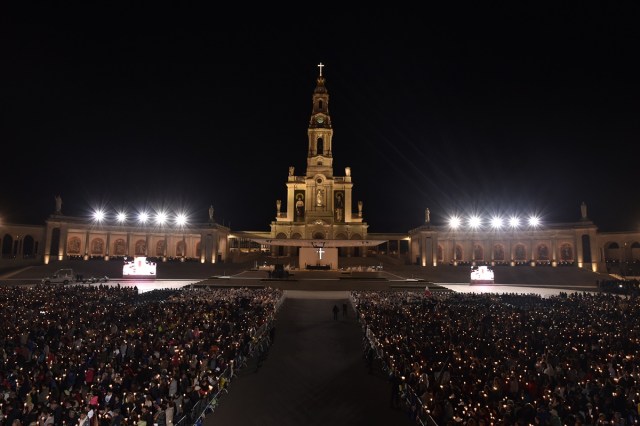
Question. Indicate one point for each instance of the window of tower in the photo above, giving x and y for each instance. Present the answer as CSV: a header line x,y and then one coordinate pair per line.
x,y
320,105
319,146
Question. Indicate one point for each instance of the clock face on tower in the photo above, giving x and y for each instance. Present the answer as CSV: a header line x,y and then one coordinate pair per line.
x,y
320,119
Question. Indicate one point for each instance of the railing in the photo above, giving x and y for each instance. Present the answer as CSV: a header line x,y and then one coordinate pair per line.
x,y
208,403
410,399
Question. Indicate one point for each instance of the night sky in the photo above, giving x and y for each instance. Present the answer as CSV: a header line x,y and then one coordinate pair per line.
x,y
501,109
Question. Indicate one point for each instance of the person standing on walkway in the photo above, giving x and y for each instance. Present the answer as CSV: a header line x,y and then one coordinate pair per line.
x,y
335,312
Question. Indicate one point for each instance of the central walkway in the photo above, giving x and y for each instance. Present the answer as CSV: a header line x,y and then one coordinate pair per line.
x,y
314,374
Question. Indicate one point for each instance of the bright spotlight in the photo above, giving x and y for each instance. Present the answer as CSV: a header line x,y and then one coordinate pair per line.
x,y
454,222
514,222
121,217
475,222
496,222
161,218
143,217
98,215
534,221
181,219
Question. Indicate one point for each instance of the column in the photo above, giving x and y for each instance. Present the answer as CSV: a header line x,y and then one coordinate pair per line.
x,y
203,248
62,250
106,257
214,248
86,246
47,245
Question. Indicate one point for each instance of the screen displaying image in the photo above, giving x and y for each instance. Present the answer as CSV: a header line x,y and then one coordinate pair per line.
x,y
139,266
481,275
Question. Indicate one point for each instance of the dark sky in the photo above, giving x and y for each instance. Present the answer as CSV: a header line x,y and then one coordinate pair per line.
x,y
502,108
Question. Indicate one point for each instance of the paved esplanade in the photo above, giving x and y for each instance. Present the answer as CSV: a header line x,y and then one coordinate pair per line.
x,y
314,373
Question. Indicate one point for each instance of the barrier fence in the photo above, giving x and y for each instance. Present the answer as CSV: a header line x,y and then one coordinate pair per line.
x,y
410,400
208,403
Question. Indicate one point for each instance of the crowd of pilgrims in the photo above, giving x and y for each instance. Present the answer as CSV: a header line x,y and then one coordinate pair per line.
x,y
508,359
102,356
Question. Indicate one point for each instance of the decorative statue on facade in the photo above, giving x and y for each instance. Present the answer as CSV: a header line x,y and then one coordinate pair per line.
x,y
211,213
347,171
58,204
583,210
278,205
427,216
360,208
291,170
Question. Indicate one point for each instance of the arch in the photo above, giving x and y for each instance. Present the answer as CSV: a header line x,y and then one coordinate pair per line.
x,y
341,236
181,248
73,246
612,245
318,235
281,236
119,247
498,252
458,253
478,252
7,246
356,237
160,248
97,246
141,248
542,252
520,252
296,236
635,251
28,246
320,146
566,252
586,248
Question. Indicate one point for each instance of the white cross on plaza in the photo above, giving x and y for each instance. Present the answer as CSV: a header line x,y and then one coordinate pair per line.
x,y
320,252
320,65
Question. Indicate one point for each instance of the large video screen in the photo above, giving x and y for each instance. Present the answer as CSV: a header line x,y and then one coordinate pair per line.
x,y
481,275
139,267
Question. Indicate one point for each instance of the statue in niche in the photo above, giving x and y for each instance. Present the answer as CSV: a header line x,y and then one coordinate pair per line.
x,y
299,206
319,197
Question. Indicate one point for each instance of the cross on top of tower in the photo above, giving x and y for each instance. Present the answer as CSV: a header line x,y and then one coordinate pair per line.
x,y
320,65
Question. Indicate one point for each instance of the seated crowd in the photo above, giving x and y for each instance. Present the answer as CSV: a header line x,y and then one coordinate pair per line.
x,y
508,358
109,356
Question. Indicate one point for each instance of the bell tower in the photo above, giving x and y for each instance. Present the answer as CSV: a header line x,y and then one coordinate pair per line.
x,y
318,204
320,133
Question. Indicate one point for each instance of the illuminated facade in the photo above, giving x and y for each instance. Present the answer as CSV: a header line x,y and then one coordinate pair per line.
x,y
318,213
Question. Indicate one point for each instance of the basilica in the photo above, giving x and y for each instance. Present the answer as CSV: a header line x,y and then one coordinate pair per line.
x,y
320,225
